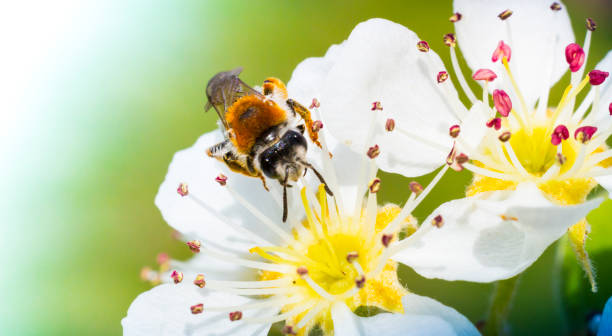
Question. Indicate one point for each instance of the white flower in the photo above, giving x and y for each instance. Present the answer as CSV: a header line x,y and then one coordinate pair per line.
x,y
527,191
251,270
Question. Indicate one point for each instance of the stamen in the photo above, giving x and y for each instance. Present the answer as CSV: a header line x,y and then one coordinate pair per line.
x,y
423,46
515,161
505,14
376,106
262,218
410,206
390,125
596,77
494,123
374,185
484,74
311,314
182,189
502,102
315,103
502,50
248,263
194,245
525,111
221,179
235,316
282,317
450,40
258,303
574,55
199,281
438,221
176,276
559,134
415,187
454,131
455,17
590,24
318,289
197,308
488,173
584,133
373,151
459,74
442,76
504,137
555,6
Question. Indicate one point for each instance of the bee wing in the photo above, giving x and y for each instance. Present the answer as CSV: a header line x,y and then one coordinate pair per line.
x,y
224,89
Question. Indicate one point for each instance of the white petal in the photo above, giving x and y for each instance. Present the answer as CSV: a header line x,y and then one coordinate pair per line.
x,y
212,268
380,62
306,80
423,316
194,167
605,89
535,63
165,310
476,244
606,182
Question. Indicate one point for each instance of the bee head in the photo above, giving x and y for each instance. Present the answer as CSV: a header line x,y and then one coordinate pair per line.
x,y
284,161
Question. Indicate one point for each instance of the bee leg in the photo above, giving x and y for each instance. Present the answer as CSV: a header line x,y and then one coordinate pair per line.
x,y
263,180
218,150
285,211
305,114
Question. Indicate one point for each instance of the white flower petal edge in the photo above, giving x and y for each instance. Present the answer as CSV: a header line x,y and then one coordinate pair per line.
x,y
533,29
603,112
423,316
164,310
380,62
484,240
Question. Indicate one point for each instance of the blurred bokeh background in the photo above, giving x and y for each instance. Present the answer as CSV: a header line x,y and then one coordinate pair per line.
x,y
97,97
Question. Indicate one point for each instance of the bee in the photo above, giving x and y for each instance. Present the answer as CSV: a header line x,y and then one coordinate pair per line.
x,y
263,136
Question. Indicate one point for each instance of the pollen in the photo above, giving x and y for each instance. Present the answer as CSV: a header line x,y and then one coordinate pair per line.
x,y
337,259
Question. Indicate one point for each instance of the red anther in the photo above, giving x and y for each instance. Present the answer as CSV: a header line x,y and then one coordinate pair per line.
x,y
504,136
505,14
610,108
590,24
386,239
561,159
494,123
574,55
438,221
351,256
162,258
315,103
454,131
559,134
221,179
374,185
197,309
235,316
317,125
415,187
182,189
390,125
450,40
199,281
502,50
373,151
177,276
597,77
423,46
288,330
461,159
502,102
360,281
484,74
555,6
442,76
456,160
584,133
301,271
194,245
455,17
376,106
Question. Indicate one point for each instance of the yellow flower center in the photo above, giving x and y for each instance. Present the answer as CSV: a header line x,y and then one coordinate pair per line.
x,y
337,259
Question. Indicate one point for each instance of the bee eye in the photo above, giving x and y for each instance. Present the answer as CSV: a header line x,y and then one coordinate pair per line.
x,y
301,128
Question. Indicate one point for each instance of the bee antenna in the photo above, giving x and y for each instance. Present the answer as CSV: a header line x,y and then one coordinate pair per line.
x,y
320,177
285,195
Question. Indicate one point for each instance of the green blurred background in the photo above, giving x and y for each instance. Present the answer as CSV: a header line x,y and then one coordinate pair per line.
x,y
97,98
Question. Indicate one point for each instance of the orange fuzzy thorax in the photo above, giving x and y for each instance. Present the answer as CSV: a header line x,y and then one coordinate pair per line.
x,y
275,86
249,117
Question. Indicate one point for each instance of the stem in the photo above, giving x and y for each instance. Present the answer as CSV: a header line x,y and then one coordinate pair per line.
x,y
500,306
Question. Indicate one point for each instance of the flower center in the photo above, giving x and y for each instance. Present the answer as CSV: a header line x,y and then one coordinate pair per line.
x,y
336,259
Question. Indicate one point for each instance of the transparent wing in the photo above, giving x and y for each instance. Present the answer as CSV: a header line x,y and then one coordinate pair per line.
x,y
224,89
